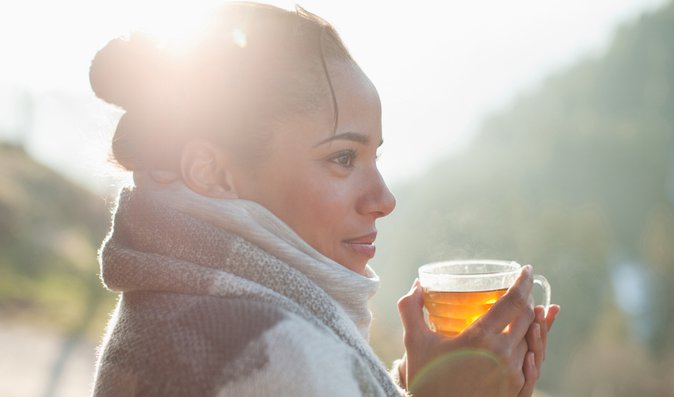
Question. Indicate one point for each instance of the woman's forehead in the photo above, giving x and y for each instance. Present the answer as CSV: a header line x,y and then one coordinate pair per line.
x,y
358,110
348,74
357,98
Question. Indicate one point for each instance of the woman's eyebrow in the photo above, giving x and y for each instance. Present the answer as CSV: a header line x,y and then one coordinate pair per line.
x,y
348,136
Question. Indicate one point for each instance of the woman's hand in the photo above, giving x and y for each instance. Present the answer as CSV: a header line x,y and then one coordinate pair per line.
x,y
537,340
500,354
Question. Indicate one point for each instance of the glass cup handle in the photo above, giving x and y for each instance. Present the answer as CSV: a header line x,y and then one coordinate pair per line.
x,y
543,282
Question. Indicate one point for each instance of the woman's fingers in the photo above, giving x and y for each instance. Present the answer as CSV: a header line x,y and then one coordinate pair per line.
x,y
535,343
539,318
530,375
509,307
411,312
519,328
522,346
553,311
518,355
546,322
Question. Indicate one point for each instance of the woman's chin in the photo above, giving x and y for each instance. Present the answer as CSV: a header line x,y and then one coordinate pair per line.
x,y
355,264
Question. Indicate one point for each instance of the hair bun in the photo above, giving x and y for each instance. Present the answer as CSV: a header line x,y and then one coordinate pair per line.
x,y
120,70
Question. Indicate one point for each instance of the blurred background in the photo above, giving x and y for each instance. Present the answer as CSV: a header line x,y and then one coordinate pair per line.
x,y
538,131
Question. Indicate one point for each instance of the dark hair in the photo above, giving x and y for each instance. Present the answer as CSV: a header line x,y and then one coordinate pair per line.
x,y
255,64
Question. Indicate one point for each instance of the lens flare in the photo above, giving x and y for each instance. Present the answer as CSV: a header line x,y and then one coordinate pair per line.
x,y
239,38
442,372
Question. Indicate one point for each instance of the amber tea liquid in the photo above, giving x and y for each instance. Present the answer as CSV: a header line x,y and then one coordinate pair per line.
x,y
451,312
458,292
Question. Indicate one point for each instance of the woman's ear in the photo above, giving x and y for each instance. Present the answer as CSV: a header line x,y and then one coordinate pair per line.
x,y
206,170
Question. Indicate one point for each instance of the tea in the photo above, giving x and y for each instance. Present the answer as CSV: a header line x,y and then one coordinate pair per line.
x,y
456,293
451,312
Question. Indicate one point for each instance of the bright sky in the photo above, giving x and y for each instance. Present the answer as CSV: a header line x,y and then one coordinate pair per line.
x,y
440,66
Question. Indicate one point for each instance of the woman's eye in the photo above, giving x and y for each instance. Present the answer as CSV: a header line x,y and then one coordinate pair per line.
x,y
344,159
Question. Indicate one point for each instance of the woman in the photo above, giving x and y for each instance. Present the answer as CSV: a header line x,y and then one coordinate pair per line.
x,y
241,253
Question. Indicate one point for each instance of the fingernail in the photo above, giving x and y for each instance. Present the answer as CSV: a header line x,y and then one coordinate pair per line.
x,y
527,269
537,331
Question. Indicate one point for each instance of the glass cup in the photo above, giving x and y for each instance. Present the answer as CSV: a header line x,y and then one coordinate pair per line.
x,y
456,293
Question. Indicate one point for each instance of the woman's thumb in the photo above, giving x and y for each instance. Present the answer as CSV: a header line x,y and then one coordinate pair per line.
x,y
411,311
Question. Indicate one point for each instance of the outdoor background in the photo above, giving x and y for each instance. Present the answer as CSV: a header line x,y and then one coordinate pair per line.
x,y
538,131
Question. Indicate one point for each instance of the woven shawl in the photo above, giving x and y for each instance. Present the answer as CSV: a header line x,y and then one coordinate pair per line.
x,y
166,238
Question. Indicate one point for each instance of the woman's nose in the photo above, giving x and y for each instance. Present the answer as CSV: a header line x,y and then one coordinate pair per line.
x,y
378,200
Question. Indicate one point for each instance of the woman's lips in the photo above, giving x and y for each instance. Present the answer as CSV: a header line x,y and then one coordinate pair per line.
x,y
363,245
367,250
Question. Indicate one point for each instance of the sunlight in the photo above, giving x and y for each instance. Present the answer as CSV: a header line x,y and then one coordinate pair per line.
x,y
176,24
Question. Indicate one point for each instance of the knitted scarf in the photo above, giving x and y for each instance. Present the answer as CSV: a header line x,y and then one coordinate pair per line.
x,y
166,238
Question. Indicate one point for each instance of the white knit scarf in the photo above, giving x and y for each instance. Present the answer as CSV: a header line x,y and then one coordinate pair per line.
x,y
258,225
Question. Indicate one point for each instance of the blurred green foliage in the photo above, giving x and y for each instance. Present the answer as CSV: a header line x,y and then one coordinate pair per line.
x,y
50,230
577,178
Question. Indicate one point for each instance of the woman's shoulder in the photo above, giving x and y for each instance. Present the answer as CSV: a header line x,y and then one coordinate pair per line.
x,y
200,344
229,320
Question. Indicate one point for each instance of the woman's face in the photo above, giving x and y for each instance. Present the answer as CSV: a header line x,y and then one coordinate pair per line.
x,y
326,186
